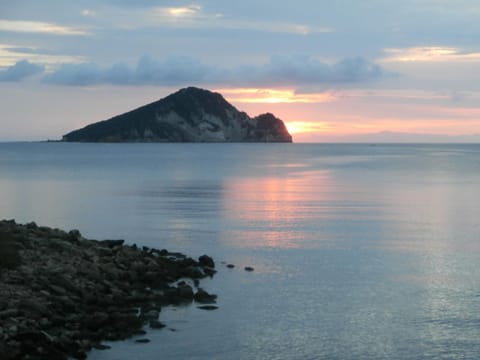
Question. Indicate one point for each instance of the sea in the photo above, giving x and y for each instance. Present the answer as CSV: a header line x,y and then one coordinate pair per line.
x,y
360,251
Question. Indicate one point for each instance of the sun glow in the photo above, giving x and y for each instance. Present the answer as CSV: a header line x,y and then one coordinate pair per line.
x,y
302,127
273,96
182,11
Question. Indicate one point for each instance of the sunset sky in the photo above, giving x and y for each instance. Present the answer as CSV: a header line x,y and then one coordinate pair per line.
x,y
346,70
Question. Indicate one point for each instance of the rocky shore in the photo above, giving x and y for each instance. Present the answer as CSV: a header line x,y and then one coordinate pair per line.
x,y
61,294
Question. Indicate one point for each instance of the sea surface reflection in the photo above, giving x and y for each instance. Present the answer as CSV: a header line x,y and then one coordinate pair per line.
x,y
360,252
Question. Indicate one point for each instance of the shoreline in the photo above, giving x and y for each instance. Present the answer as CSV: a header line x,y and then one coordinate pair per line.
x,y
61,295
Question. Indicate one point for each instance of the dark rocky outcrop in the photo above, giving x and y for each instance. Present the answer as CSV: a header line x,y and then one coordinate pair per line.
x,y
189,115
63,294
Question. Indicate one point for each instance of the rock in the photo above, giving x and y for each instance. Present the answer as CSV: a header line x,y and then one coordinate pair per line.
x,y
101,347
185,292
230,266
194,272
112,243
31,225
104,251
74,235
34,306
142,341
249,268
57,289
203,297
70,293
152,314
208,307
206,260
12,330
155,324
8,313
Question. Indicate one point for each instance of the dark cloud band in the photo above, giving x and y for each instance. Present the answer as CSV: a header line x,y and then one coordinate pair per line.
x,y
20,71
180,71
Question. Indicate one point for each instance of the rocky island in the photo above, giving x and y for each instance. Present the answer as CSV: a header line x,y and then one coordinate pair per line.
x,y
188,115
62,294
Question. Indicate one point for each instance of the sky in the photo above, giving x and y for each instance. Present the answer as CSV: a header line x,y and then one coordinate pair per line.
x,y
334,71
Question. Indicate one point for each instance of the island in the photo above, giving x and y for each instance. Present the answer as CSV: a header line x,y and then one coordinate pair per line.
x,y
188,115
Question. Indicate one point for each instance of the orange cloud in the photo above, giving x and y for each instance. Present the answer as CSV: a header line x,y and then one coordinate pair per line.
x,y
302,127
272,96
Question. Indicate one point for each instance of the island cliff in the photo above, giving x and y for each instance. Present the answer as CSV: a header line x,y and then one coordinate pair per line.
x,y
188,115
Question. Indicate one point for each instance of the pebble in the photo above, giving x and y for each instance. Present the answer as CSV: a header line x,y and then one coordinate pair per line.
x,y
142,341
155,324
208,307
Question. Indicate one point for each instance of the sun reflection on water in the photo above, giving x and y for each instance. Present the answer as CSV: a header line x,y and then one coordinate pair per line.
x,y
271,211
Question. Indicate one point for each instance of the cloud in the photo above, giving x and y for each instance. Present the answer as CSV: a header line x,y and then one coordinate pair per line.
x,y
10,54
307,70
180,71
76,75
193,17
273,96
181,11
148,71
88,12
22,26
429,54
20,70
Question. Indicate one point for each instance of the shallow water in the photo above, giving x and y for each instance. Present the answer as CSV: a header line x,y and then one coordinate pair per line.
x,y
360,252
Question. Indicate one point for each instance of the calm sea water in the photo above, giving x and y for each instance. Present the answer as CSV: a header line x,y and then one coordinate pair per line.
x,y
360,252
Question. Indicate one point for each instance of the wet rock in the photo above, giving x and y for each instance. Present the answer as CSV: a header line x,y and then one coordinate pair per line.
x,y
208,307
155,324
194,272
203,297
152,314
101,347
206,260
70,293
142,341
185,292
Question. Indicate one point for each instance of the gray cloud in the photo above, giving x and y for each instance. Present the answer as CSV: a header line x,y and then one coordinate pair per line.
x,y
76,75
307,70
180,71
20,70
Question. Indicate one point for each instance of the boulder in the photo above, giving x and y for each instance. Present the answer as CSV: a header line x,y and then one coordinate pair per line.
x,y
203,297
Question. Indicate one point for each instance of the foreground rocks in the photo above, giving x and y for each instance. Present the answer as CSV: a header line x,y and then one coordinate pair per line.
x,y
64,294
